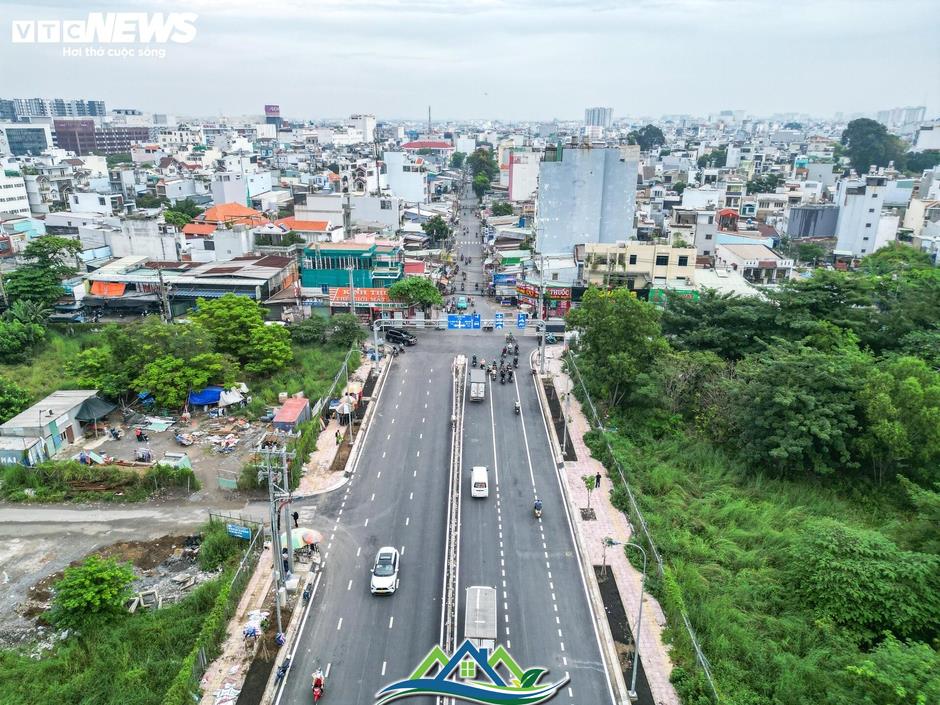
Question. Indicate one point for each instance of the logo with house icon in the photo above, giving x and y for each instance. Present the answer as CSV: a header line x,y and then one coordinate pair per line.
x,y
473,675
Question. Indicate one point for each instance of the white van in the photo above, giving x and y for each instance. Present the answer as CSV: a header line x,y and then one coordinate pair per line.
x,y
479,482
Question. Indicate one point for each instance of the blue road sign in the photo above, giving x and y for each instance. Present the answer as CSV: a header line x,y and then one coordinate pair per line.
x,y
521,319
476,322
453,321
497,320
238,531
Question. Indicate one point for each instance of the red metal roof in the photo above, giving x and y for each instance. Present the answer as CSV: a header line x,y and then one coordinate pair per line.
x,y
427,144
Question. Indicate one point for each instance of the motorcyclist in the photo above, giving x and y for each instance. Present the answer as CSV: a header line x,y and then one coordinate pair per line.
x,y
516,406
515,362
474,361
318,680
538,505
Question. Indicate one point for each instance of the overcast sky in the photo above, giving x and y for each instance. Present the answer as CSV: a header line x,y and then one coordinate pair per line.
x,y
507,59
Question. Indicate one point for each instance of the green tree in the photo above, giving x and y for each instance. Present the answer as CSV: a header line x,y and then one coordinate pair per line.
x,y
502,208
345,330
619,338
924,344
120,158
923,532
39,280
310,331
92,593
176,218
795,409
907,301
96,368
867,142
269,350
17,340
170,379
457,159
481,184
416,291
894,673
482,162
900,399
793,126
230,320
731,326
436,228
679,187
187,207
764,184
861,580
893,257
716,158
917,162
647,137
27,312
810,252
13,399
149,200
839,298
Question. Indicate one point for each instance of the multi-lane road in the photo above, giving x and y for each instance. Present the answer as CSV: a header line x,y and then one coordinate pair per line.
x,y
398,496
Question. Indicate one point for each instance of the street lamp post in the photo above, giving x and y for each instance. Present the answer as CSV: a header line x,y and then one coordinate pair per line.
x,y
636,636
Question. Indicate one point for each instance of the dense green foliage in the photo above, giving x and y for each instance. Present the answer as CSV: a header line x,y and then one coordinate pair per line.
x,y
501,208
48,261
436,228
91,594
647,137
714,159
416,291
457,159
785,452
868,143
131,662
764,184
13,399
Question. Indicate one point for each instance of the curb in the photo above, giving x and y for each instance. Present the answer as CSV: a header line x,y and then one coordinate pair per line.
x,y
596,602
364,425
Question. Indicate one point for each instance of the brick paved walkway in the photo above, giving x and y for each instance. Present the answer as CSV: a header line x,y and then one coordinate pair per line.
x,y
613,523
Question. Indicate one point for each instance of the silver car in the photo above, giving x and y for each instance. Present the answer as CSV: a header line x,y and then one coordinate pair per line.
x,y
385,572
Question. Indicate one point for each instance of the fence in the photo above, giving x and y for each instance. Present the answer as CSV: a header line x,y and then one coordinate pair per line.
x,y
637,518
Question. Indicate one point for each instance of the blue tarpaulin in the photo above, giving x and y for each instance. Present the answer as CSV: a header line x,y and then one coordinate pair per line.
x,y
209,395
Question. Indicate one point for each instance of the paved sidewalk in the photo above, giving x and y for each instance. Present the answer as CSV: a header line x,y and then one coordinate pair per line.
x,y
613,523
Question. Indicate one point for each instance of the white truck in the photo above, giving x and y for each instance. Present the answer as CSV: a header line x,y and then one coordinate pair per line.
x,y
479,620
477,385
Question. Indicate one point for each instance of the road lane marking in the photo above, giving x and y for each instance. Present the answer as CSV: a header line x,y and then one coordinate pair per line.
x,y
564,660
378,475
418,454
393,420
396,405
372,498
383,668
391,621
420,436
411,495
414,474
407,521
339,625
367,522
422,418
562,644
349,587
328,667
402,551
559,633
358,551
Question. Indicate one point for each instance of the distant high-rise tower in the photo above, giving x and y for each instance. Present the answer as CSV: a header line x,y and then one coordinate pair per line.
x,y
598,117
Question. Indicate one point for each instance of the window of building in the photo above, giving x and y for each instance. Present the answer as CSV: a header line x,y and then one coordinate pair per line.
x,y
708,236
100,200
863,252
632,259
874,195
711,219
683,261
554,276
864,238
867,225
707,252
662,260
871,210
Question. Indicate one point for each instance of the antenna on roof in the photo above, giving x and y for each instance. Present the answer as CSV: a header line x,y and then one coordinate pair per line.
x,y
429,122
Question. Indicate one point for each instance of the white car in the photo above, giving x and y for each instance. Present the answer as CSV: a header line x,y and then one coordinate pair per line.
x,y
385,572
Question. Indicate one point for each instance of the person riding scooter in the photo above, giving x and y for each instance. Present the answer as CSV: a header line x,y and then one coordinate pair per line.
x,y
318,685
517,406
538,508
473,363
515,362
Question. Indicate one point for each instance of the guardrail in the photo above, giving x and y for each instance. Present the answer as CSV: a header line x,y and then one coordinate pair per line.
x,y
450,601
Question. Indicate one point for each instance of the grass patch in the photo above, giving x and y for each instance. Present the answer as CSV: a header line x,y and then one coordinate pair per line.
x,y
731,543
131,662
70,481
46,372
312,373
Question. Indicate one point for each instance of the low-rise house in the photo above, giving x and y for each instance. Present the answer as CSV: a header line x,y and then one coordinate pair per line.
x,y
757,263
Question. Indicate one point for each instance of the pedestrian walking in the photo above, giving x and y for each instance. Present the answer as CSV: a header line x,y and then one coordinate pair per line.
x,y
597,480
285,559
339,437
296,516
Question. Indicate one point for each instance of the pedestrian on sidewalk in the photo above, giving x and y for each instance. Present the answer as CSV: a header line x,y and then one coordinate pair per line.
x,y
286,562
296,516
339,437
597,481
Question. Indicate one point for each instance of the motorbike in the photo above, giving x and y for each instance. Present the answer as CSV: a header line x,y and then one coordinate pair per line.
x,y
509,375
515,362
538,510
473,362
502,378
493,374
517,408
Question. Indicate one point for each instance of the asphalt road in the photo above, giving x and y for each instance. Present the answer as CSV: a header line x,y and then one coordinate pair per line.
x,y
396,497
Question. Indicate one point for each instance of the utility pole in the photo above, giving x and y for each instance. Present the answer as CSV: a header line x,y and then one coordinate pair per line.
x,y
279,494
352,292
164,299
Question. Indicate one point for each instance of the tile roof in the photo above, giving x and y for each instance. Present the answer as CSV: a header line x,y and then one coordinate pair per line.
x,y
427,144
292,223
232,213
199,229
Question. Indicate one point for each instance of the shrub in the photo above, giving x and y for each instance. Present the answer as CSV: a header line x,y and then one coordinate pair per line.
x,y
91,593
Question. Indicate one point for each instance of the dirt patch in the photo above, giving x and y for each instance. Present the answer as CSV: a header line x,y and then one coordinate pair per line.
x,y
256,680
588,514
623,637
558,420
345,448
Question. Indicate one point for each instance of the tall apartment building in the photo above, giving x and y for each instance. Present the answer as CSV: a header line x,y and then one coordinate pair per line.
x,y
14,109
85,137
860,202
523,174
586,194
598,117
365,124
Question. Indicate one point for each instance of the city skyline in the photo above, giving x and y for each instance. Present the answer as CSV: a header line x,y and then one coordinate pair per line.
x,y
512,60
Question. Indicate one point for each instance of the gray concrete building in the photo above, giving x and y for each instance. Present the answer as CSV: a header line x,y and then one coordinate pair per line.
x,y
586,194
812,220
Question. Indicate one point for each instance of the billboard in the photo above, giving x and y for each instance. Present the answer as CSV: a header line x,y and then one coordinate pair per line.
x,y
272,110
